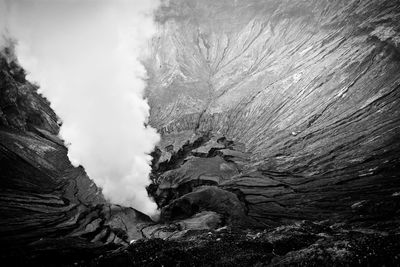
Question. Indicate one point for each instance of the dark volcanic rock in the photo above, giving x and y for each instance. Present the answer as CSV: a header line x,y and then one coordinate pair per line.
x,y
175,230
206,198
193,173
300,244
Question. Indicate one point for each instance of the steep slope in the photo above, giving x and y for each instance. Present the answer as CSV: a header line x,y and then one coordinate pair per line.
x,y
47,206
271,112
309,91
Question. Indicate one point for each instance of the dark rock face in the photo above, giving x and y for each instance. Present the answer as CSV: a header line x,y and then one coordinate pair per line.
x,y
298,99
301,244
205,198
46,204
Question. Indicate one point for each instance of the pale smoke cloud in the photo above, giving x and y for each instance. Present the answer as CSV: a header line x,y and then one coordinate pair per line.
x,y
85,55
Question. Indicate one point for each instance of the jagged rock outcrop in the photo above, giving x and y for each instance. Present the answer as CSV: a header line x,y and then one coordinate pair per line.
x,y
309,89
46,204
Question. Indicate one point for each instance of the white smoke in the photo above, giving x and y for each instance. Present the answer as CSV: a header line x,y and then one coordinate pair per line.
x,y
85,55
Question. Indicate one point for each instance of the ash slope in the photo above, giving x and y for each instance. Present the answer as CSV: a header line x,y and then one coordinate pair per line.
x,y
271,112
307,92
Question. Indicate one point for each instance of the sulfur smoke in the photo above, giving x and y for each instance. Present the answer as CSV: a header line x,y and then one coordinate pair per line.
x,y
85,55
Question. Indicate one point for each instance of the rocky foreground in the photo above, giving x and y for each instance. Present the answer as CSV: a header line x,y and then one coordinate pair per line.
x,y
280,145
301,244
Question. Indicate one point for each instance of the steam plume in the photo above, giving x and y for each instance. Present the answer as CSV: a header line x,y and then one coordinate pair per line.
x,y
85,55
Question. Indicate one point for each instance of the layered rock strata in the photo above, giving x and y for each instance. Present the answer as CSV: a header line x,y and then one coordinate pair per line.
x,y
309,90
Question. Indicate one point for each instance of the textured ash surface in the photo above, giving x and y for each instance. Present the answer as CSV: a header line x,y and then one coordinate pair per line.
x,y
308,90
280,145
